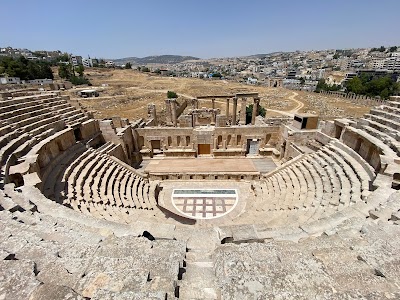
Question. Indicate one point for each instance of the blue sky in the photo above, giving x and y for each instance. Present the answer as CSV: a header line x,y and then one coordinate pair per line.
x,y
116,29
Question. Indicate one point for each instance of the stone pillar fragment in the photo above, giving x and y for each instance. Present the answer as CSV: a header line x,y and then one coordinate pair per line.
x,y
173,112
255,110
242,119
168,115
213,117
227,108
151,113
234,113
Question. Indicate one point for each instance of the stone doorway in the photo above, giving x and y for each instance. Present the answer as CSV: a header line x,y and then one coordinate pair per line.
x,y
156,147
252,147
204,149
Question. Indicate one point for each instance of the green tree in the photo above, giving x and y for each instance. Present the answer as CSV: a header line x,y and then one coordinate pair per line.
x,y
64,57
79,69
128,65
79,80
65,71
373,86
336,56
393,49
323,86
249,112
171,94
355,85
302,81
25,69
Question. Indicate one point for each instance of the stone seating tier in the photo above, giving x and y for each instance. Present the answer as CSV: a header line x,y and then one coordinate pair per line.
x,y
112,244
95,183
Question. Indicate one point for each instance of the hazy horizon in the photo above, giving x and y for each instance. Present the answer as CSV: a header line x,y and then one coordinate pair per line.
x,y
210,29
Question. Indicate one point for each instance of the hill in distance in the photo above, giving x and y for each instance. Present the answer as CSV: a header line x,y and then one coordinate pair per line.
x,y
158,59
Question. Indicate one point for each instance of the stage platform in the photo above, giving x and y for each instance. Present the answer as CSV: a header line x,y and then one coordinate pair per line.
x,y
210,165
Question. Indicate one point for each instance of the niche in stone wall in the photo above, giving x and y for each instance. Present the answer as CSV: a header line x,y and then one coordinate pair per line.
x,y
219,141
187,140
267,138
228,140
238,140
169,141
141,142
178,140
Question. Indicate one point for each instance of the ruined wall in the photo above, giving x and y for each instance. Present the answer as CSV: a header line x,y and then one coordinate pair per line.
x,y
328,127
234,137
127,145
350,139
368,151
222,140
53,148
291,151
118,152
181,108
89,128
120,136
300,137
169,137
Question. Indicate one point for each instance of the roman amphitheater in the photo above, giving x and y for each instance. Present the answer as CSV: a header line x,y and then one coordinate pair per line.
x,y
193,203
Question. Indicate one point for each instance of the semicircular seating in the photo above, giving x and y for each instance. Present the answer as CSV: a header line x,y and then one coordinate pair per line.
x,y
100,185
78,222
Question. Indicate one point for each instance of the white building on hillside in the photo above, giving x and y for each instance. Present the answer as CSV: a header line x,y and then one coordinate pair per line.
x,y
110,64
87,62
10,80
76,60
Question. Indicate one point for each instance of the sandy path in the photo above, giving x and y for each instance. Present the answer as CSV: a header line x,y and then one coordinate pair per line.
x,y
300,104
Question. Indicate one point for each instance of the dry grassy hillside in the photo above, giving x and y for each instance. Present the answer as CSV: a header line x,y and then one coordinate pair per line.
x,y
127,93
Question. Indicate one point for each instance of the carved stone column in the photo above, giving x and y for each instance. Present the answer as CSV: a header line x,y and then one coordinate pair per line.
x,y
213,116
255,110
151,113
195,119
168,115
227,109
243,103
173,112
213,103
234,113
195,103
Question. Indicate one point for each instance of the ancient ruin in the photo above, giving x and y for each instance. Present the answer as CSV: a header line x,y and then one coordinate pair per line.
x,y
193,203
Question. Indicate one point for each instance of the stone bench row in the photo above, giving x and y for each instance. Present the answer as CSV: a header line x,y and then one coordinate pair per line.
x,y
329,177
395,104
29,132
20,102
387,122
56,257
383,112
383,129
292,189
57,105
31,107
95,178
388,137
388,211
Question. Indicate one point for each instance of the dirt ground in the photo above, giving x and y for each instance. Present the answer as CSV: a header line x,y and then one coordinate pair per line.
x,y
126,93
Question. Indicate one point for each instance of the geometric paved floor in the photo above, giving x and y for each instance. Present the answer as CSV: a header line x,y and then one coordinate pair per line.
x,y
204,203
